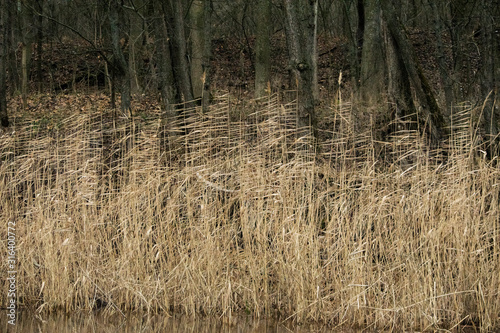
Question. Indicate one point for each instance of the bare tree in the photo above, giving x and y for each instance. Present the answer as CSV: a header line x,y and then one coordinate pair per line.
x,y
263,47
196,27
390,70
490,71
4,32
136,38
444,73
372,76
39,45
120,69
430,115
27,40
162,57
174,12
300,28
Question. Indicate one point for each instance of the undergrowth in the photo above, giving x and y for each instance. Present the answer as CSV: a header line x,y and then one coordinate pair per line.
x,y
218,215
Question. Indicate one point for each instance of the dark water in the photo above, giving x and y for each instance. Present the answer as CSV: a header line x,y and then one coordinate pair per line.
x,y
116,323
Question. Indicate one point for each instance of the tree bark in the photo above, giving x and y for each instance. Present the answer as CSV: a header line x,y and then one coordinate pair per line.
x,y
489,74
163,59
207,53
390,71
25,69
178,51
399,92
121,73
300,33
27,36
4,34
372,81
430,115
314,50
360,31
196,24
135,50
441,59
39,46
263,48
11,46
459,28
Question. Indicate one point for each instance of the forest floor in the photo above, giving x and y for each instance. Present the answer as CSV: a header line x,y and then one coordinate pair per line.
x,y
70,68
74,80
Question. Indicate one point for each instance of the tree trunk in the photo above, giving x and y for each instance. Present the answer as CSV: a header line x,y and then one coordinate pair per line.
x,y
135,48
372,81
11,46
314,50
459,28
39,46
178,51
207,52
399,92
300,33
163,59
430,117
26,17
25,68
263,48
360,31
489,75
4,33
197,38
121,73
441,59
390,71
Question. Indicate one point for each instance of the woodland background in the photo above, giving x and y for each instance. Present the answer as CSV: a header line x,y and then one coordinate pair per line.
x,y
311,161
415,58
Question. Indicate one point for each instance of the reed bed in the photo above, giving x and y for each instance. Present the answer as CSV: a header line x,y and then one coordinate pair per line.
x,y
228,212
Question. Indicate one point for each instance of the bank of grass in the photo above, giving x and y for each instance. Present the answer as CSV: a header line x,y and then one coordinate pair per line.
x,y
235,215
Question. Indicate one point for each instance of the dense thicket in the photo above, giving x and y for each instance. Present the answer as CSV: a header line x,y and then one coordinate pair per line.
x,y
164,47
311,160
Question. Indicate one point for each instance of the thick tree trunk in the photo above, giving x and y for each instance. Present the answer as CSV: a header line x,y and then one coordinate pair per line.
x,y
430,115
39,46
121,73
398,84
358,44
27,17
314,50
178,51
197,38
4,32
300,33
207,52
460,29
489,74
441,59
163,59
263,48
390,71
11,46
372,81
135,50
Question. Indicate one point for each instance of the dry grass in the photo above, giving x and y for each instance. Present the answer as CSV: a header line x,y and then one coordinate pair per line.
x,y
237,215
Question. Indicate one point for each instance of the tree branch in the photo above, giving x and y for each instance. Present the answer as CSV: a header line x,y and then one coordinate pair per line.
x,y
92,44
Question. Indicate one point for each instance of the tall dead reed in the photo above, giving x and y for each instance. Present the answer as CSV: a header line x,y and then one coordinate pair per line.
x,y
231,214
